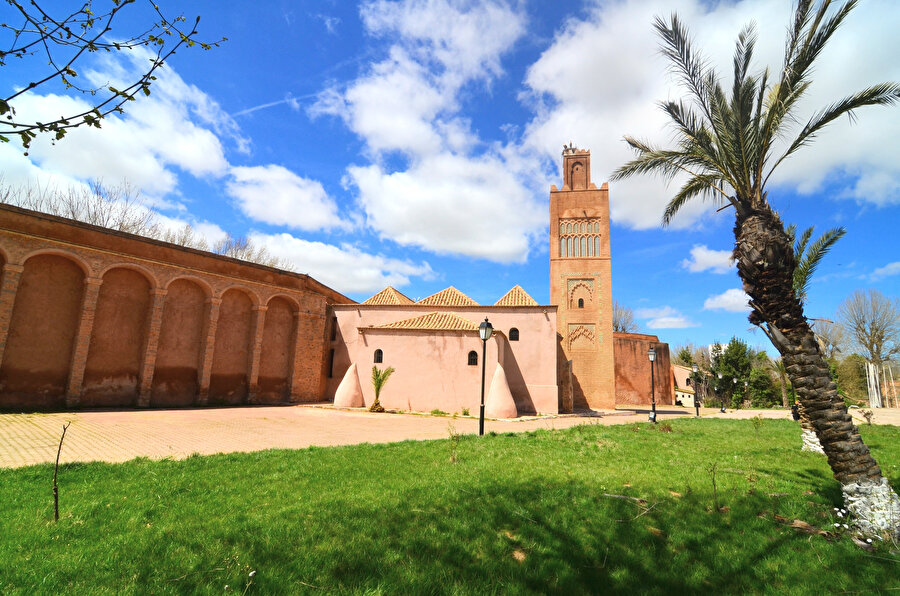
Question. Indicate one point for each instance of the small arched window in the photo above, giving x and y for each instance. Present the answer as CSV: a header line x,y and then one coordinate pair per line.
x,y
513,334
562,247
584,246
569,253
379,356
687,381
581,303
568,228
562,228
597,246
473,358
597,227
590,247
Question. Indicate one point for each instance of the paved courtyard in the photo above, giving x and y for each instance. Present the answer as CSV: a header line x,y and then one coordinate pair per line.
x,y
120,435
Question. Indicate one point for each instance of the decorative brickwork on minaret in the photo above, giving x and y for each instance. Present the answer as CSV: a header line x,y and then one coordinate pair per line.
x,y
580,284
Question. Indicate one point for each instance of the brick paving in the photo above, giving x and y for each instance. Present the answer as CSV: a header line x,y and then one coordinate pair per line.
x,y
121,435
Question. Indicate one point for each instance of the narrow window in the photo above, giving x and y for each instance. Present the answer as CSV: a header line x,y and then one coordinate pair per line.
x,y
562,228
583,246
568,228
577,248
562,247
570,253
333,328
473,358
379,356
581,303
597,246
330,364
597,227
590,247
513,334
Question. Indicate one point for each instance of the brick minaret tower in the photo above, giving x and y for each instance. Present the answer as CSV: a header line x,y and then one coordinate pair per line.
x,y
580,284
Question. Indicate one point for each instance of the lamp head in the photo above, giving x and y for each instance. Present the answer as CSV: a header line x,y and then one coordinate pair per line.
x,y
720,375
485,330
651,354
694,367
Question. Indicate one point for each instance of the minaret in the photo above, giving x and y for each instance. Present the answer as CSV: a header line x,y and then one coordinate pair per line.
x,y
580,284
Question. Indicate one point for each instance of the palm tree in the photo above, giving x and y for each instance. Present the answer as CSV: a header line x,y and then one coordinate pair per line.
x,y
728,147
379,378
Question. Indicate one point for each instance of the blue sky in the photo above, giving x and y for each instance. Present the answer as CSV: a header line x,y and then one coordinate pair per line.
x,y
413,143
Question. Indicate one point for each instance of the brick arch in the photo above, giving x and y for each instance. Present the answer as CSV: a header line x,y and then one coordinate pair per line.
x,y
204,285
117,339
176,376
295,304
254,299
42,331
580,290
277,351
579,336
151,278
229,382
4,256
82,264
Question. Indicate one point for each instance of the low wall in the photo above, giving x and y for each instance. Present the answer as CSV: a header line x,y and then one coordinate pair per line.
x,y
633,370
96,318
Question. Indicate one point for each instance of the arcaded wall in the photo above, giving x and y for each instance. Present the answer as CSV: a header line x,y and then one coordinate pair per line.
x,y
91,317
633,370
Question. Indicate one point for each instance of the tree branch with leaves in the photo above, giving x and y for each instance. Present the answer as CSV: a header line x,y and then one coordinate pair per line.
x,y
55,42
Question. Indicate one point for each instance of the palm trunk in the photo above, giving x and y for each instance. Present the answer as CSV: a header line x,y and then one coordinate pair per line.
x,y
765,260
808,438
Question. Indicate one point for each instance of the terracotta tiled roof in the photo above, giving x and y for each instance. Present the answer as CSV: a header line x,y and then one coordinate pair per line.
x,y
516,297
389,296
435,321
449,297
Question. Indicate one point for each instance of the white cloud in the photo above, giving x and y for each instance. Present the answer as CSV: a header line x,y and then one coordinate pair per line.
x,y
453,194
731,300
451,204
275,195
602,75
664,317
346,267
887,270
679,322
703,258
177,128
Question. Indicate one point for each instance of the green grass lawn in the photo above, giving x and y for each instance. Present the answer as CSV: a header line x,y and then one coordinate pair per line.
x,y
525,513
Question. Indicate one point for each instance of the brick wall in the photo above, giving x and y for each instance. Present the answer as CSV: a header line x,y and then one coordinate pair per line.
x,y
93,317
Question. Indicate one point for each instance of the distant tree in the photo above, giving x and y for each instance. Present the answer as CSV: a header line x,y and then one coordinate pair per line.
x,y
808,256
830,336
761,390
379,378
736,362
623,319
53,41
872,321
122,208
683,355
852,378
783,381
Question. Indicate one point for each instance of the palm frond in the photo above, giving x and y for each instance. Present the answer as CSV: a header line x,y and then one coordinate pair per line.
x,y
808,257
884,94
707,187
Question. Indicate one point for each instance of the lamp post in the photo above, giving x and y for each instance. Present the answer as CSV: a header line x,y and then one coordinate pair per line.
x,y
696,389
746,385
484,332
721,396
733,389
651,353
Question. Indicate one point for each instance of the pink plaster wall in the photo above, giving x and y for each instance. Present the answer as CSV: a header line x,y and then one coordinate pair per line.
x,y
441,357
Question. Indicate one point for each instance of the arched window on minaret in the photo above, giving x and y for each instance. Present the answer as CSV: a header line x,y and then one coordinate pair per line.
x,y
597,245
562,247
590,247
562,229
583,246
570,253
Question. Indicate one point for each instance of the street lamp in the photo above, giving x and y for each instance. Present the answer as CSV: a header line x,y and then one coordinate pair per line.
x,y
484,332
696,389
651,353
733,388
721,396
746,384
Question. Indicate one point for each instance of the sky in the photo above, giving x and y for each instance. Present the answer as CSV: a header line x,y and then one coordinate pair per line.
x,y
413,143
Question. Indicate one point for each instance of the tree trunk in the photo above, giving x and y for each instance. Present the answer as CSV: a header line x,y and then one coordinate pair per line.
x,y
808,438
765,260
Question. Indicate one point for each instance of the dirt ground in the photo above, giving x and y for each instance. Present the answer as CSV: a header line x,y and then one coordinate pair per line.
x,y
121,435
